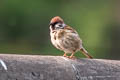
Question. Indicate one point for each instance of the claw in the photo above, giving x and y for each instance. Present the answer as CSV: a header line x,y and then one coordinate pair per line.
x,y
71,57
65,55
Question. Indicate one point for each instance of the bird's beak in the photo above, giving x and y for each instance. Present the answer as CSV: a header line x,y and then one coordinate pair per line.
x,y
50,24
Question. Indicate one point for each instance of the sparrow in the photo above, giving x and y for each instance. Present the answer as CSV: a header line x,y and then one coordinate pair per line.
x,y
65,38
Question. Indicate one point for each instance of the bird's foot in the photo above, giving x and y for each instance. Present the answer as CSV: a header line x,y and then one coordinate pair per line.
x,y
65,55
71,57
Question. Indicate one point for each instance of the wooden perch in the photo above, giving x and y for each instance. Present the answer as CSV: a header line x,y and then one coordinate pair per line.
x,y
36,67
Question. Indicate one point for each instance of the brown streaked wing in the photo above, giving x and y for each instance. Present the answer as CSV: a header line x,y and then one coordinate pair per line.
x,y
70,29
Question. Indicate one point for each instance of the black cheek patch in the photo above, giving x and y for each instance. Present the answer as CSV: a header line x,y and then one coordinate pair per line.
x,y
52,27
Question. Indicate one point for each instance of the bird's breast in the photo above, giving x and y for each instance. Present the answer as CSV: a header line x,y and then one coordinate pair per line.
x,y
54,39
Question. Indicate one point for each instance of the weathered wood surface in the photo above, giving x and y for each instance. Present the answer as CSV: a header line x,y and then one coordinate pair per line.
x,y
36,67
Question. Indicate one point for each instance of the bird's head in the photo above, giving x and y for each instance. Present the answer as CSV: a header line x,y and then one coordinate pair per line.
x,y
57,23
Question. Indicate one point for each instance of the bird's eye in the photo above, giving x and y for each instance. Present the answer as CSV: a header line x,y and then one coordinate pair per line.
x,y
60,25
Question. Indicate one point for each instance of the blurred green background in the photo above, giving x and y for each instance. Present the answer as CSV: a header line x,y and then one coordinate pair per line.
x,y
24,26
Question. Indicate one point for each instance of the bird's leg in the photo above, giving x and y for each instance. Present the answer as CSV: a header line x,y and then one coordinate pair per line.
x,y
72,56
86,53
65,55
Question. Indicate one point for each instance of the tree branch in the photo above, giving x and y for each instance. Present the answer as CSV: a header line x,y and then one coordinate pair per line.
x,y
36,67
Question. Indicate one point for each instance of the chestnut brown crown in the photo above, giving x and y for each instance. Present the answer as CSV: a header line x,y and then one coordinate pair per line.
x,y
56,19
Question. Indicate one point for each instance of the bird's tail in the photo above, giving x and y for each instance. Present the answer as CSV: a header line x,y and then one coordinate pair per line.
x,y
86,53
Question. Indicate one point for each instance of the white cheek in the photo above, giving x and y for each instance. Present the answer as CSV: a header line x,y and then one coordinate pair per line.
x,y
57,26
63,25
50,28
